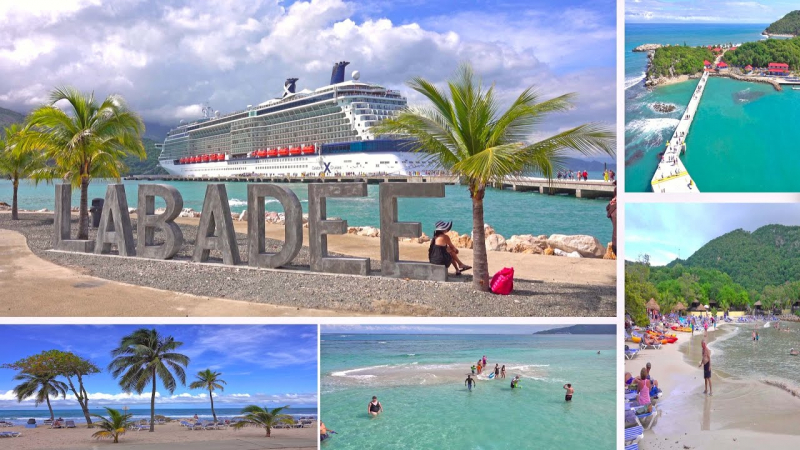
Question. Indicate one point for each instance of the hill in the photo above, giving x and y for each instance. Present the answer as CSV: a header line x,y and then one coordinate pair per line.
x,y
676,60
149,166
7,117
761,53
582,329
768,256
788,25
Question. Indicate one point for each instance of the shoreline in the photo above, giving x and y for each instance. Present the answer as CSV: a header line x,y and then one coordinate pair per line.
x,y
723,422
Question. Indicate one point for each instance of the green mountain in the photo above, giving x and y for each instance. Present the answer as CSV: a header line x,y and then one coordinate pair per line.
x,y
7,117
678,60
765,51
148,166
769,255
789,24
582,329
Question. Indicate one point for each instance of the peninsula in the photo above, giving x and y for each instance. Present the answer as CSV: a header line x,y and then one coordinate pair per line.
x,y
787,26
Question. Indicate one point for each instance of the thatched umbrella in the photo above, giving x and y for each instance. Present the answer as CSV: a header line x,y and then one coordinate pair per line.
x,y
679,307
700,307
652,305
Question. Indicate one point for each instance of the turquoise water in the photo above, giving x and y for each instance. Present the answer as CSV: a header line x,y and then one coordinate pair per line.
x,y
744,137
507,211
420,383
21,416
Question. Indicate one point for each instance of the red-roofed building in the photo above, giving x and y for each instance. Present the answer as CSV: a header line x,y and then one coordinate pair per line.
x,y
733,49
707,63
717,50
722,65
748,68
778,68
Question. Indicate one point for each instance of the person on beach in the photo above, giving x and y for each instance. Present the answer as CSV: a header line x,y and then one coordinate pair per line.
x,y
496,371
650,378
442,252
469,382
643,387
503,371
628,380
706,363
374,408
570,390
611,213
473,369
754,335
195,417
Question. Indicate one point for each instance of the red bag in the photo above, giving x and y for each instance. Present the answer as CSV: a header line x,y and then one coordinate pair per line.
x,y
503,281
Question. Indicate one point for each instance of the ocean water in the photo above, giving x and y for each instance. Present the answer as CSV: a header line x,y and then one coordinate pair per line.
x,y
507,211
744,137
420,383
21,416
767,359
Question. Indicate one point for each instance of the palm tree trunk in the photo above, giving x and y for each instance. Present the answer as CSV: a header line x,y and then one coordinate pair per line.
x,y
83,223
50,407
480,264
83,399
269,431
210,394
153,404
14,208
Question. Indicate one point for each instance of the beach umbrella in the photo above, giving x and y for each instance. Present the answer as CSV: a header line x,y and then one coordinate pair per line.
x,y
679,307
652,305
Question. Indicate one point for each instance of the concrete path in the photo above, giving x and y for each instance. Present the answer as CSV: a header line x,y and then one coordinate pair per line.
x,y
32,286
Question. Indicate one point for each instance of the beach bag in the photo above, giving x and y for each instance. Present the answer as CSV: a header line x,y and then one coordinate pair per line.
x,y
503,281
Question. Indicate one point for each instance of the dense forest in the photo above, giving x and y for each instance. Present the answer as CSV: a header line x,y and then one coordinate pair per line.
x,y
7,117
789,24
678,60
761,53
148,166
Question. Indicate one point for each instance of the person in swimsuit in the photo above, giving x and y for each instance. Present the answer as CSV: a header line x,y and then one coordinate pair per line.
x,y
469,382
484,360
473,369
514,382
643,386
503,371
374,408
706,363
442,252
480,368
496,371
570,390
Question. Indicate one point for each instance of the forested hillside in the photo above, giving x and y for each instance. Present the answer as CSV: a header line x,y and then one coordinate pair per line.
x,y
678,60
761,53
789,24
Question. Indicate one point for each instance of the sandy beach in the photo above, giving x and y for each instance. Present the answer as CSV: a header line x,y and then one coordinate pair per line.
x,y
741,414
169,435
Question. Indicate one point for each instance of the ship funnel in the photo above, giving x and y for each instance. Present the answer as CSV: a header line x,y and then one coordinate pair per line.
x,y
288,86
337,75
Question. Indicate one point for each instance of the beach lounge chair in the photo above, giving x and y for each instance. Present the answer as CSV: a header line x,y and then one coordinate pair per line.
x,y
630,353
648,417
70,424
210,426
6,434
142,427
633,434
184,423
632,447
196,426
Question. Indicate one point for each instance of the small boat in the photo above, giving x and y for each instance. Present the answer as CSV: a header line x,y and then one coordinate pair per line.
x,y
283,151
294,151
273,152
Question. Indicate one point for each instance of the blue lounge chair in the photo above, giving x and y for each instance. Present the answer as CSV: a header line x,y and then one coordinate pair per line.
x,y
632,447
70,424
633,434
649,417
6,434
630,353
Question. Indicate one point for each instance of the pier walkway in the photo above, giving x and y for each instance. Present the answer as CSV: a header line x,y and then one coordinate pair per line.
x,y
671,175
580,189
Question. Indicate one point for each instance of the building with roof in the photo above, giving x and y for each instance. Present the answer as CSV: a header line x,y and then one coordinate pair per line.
x,y
778,68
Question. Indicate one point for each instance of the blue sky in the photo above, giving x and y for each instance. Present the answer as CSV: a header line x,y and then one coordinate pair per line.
x,y
665,230
168,58
437,329
264,365
709,11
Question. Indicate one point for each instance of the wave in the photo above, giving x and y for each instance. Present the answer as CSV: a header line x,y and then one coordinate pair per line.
x,y
633,81
237,202
649,127
346,373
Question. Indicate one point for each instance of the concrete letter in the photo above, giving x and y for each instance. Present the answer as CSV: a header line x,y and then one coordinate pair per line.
x,y
115,224
319,227
148,222
293,227
61,224
215,231
391,229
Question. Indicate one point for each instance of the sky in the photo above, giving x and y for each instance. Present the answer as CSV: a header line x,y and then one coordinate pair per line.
x,y
710,11
168,58
263,365
666,230
437,329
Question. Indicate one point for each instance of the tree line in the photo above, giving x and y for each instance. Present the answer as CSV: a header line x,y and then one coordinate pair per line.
x,y
678,60
761,53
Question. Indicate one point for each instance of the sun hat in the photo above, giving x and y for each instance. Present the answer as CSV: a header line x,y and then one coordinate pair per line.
x,y
444,225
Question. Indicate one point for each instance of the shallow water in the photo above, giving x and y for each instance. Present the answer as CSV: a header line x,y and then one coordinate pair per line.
x,y
767,359
420,382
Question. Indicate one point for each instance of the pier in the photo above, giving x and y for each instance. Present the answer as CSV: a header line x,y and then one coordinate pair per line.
x,y
671,175
580,189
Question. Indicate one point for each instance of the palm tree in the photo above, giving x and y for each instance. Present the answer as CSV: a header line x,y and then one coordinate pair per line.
x,y
208,380
464,131
142,358
89,142
42,386
113,427
263,417
17,161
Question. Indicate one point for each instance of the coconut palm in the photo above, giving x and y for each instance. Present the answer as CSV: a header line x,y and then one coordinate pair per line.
x,y
465,131
113,427
41,387
91,141
208,380
17,161
263,417
142,358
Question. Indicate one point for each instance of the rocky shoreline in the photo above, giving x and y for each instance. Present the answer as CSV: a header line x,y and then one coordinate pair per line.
x,y
647,47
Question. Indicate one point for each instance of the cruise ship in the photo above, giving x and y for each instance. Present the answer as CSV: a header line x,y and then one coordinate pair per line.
x,y
325,132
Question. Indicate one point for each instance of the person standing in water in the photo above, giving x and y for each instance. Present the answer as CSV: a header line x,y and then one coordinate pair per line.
x,y
706,363
497,371
503,371
515,382
469,382
484,360
570,390
473,369
374,408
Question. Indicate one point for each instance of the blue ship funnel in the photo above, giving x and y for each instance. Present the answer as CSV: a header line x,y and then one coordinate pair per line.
x,y
337,75
288,86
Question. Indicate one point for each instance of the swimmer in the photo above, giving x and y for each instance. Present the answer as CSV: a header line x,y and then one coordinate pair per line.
x,y
374,407
469,382
570,390
515,382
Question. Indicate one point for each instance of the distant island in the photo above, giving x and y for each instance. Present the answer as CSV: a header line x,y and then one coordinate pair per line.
x,y
582,329
789,25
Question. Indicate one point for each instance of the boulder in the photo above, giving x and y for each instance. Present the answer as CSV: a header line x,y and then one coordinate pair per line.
x,y
559,252
549,251
369,232
242,216
350,230
133,211
423,238
586,246
488,230
495,243
526,243
187,212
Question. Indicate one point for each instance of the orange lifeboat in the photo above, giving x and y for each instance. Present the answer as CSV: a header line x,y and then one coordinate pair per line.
x,y
283,152
262,153
294,151
308,150
192,159
220,157
204,158
273,152
212,157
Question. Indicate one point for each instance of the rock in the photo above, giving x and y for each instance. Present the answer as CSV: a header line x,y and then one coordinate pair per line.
x,y
559,252
586,246
350,230
663,107
242,216
495,243
369,232
647,47
488,230
43,210
423,239
609,252
549,251
133,211
526,243
187,212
